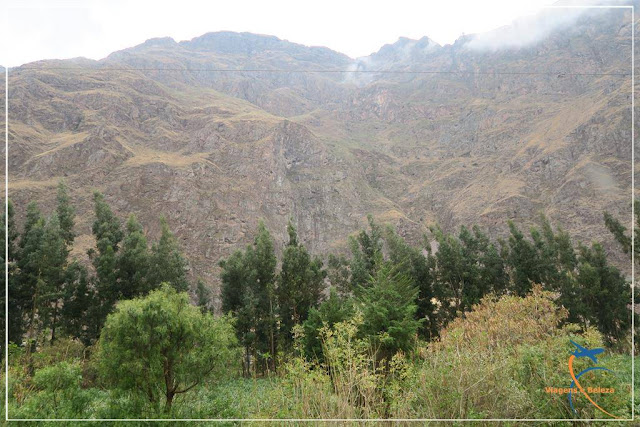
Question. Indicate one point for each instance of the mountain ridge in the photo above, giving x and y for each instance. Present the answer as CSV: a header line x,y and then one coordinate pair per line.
x,y
215,151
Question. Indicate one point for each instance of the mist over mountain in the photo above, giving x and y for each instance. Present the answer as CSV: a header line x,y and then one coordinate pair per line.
x,y
227,128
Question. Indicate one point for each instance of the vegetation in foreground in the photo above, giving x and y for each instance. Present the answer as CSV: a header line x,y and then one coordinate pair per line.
x,y
474,329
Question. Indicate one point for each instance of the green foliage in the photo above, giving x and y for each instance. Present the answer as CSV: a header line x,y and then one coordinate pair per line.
x,y
160,346
66,213
334,309
388,308
619,231
22,286
78,299
133,262
603,294
497,362
167,263
366,253
52,262
420,270
300,284
106,228
249,292
203,297
339,274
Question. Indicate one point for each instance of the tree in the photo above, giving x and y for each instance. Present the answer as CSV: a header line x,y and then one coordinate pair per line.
x,y
108,234
52,263
420,269
604,293
262,258
78,299
203,294
619,231
167,263
248,291
300,285
523,262
339,274
133,262
24,285
237,278
389,308
160,346
65,213
366,251
106,228
335,309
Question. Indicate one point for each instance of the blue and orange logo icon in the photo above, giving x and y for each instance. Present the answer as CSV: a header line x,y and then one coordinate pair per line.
x,y
591,354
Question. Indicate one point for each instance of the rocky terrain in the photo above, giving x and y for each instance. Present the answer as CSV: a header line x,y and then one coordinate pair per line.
x,y
219,131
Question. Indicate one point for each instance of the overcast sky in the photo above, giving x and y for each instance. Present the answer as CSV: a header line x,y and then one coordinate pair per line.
x,y
45,29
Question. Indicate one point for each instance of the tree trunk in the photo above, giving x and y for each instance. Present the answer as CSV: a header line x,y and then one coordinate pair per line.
x,y
170,395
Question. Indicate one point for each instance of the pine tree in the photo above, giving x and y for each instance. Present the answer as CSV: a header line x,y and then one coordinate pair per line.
x,y
420,270
108,234
52,262
334,309
523,262
15,299
300,285
106,228
78,299
203,295
339,274
453,277
366,251
66,213
167,263
604,293
389,308
23,285
619,231
133,262
262,259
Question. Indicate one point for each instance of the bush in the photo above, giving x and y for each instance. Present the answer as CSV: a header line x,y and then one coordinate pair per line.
x,y
161,346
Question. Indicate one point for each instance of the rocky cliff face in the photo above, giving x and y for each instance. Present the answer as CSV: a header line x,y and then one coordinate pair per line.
x,y
476,136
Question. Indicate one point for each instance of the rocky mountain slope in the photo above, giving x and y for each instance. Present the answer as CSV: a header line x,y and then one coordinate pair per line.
x,y
227,128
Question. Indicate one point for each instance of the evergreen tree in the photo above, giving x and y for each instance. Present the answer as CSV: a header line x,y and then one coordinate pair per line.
x,y
106,228
300,285
339,274
108,234
455,274
167,263
203,295
366,251
523,262
52,262
335,309
9,259
389,308
420,269
619,231
78,299
66,213
237,278
263,261
23,285
604,293
133,261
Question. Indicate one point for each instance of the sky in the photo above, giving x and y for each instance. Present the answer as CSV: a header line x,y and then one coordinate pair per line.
x,y
48,29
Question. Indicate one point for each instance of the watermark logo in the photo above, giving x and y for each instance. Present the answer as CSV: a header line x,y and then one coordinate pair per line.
x,y
592,354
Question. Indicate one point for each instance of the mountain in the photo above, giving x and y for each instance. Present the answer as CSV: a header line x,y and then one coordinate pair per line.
x,y
227,128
